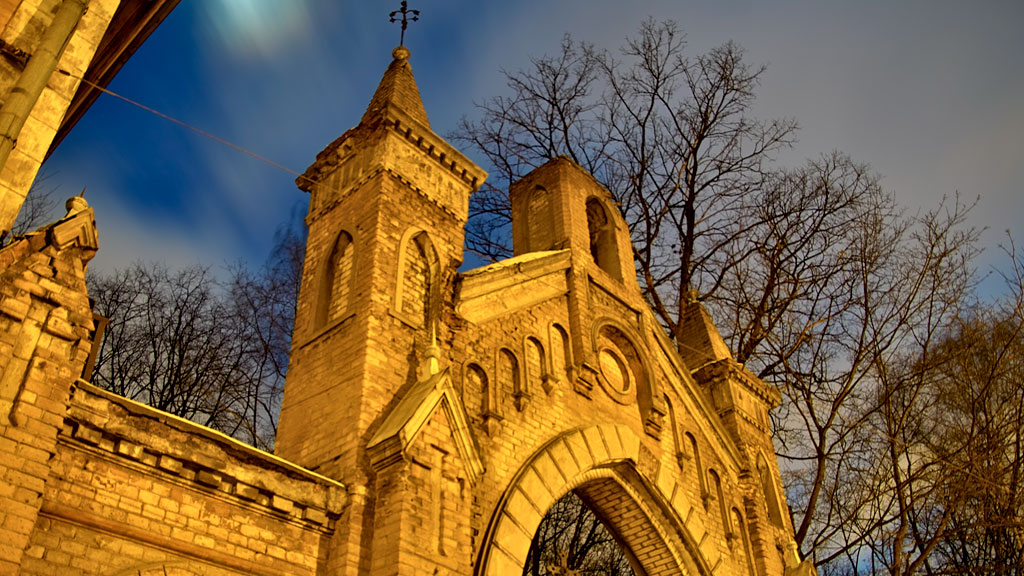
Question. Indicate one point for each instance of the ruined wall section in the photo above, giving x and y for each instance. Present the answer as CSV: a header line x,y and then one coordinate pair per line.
x,y
45,320
131,487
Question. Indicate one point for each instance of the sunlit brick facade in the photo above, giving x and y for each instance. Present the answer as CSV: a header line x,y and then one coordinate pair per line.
x,y
430,418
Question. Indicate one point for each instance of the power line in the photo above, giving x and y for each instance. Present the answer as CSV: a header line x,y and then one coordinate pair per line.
x,y
199,131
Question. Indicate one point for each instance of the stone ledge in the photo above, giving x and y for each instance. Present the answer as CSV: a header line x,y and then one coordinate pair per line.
x,y
422,137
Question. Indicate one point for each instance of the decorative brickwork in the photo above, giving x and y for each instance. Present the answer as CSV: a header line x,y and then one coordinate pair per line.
x,y
430,418
97,484
45,322
467,403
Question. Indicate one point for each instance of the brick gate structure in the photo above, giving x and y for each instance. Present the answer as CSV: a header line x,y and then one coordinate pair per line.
x,y
460,407
430,417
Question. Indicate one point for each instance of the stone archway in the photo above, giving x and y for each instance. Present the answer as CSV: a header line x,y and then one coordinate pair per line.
x,y
599,464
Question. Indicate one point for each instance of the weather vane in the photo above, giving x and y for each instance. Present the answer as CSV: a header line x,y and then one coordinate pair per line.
x,y
407,16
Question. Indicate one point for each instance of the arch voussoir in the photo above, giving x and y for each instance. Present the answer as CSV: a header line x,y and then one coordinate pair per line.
x,y
579,450
499,563
512,538
564,459
522,511
616,451
599,463
535,489
596,444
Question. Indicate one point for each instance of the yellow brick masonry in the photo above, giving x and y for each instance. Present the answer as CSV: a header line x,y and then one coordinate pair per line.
x,y
521,341
131,486
94,483
23,31
45,321
403,447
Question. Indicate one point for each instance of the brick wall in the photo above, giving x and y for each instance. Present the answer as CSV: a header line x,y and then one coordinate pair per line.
x,y
45,321
23,31
131,487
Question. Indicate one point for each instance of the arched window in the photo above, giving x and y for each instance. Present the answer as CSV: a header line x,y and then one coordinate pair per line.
x,y
561,352
539,221
699,468
716,482
510,379
771,492
476,383
602,238
677,441
536,367
418,271
744,536
335,282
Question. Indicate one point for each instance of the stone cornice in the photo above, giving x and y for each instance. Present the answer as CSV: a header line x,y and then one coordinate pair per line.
x,y
493,291
120,429
728,368
395,120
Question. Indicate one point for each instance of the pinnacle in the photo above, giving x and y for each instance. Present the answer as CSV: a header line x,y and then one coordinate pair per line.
x,y
702,343
397,89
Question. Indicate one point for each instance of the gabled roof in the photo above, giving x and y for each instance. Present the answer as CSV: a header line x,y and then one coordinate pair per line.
x,y
402,425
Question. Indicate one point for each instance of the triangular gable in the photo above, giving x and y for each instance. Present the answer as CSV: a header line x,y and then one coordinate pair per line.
x,y
405,421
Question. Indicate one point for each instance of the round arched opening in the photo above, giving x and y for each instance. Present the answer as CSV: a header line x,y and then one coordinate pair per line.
x,y
633,518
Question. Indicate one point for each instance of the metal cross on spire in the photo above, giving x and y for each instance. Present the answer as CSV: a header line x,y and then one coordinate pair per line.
x,y
406,18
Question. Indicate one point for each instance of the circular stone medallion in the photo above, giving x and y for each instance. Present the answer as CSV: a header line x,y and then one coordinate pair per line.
x,y
616,373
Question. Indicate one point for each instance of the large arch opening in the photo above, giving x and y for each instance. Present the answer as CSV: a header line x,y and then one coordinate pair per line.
x,y
573,539
598,466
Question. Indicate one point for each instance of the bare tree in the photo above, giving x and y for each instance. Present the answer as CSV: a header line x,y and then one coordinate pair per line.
x,y
954,418
855,414
819,281
571,539
552,110
40,208
213,352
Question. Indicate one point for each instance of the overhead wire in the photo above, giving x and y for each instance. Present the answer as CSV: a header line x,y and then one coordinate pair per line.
x,y
249,153
188,126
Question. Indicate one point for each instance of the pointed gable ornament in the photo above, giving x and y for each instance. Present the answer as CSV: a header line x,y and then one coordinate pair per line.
x,y
403,424
702,344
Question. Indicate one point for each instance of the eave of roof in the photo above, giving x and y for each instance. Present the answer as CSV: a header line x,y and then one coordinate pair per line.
x,y
131,25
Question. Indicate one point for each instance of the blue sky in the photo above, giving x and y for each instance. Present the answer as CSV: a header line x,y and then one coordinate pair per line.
x,y
930,93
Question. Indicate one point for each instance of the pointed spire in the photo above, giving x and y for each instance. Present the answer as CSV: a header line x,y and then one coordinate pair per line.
x,y
701,342
397,89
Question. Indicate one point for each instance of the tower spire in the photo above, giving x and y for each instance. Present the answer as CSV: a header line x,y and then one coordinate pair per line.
x,y
397,90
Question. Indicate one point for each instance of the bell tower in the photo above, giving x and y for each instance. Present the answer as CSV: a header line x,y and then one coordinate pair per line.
x,y
389,200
